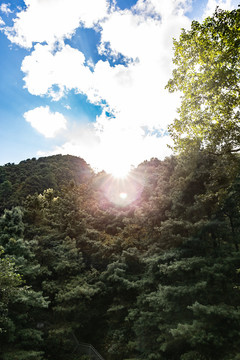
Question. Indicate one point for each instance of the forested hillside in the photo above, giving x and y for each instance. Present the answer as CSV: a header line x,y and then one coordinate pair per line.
x,y
143,268
30,176
153,279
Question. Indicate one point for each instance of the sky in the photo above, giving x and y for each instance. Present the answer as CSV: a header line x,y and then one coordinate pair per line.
x,y
88,77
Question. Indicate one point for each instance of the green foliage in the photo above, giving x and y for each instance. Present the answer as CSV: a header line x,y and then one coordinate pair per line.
x,y
184,302
9,281
207,74
35,176
23,355
20,338
156,279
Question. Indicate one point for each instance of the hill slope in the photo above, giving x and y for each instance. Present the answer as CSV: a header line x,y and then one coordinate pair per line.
x,y
31,175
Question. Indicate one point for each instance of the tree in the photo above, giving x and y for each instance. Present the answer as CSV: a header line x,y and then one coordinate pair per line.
x,y
207,74
9,281
22,338
185,295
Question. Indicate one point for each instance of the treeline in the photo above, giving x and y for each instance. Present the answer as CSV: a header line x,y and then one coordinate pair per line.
x,y
146,268
31,175
155,279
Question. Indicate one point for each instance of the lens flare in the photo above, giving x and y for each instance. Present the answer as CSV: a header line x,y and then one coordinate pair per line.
x,y
122,192
123,195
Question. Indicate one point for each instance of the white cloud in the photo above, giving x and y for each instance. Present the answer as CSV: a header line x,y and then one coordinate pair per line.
x,y
52,20
134,92
45,122
1,21
5,9
223,4
64,68
113,148
162,9
141,36
80,140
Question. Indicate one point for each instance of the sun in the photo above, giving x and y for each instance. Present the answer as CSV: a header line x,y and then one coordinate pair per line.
x,y
119,170
121,191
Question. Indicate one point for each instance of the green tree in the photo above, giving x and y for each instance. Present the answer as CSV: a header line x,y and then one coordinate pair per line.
x,y
207,72
9,281
22,339
185,297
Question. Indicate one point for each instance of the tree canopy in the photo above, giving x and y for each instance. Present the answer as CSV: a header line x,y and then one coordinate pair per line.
x,y
207,74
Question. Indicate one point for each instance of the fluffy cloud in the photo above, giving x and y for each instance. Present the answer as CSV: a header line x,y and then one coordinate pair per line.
x,y
133,92
53,20
163,8
1,21
223,4
64,68
45,122
143,36
113,150
139,94
4,8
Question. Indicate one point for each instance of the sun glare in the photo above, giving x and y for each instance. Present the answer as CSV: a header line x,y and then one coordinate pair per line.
x,y
119,171
123,195
122,192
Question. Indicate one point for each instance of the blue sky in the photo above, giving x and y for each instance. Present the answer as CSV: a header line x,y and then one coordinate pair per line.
x,y
87,77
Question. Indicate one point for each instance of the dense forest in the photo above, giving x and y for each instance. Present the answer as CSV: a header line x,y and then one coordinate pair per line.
x,y
142,268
